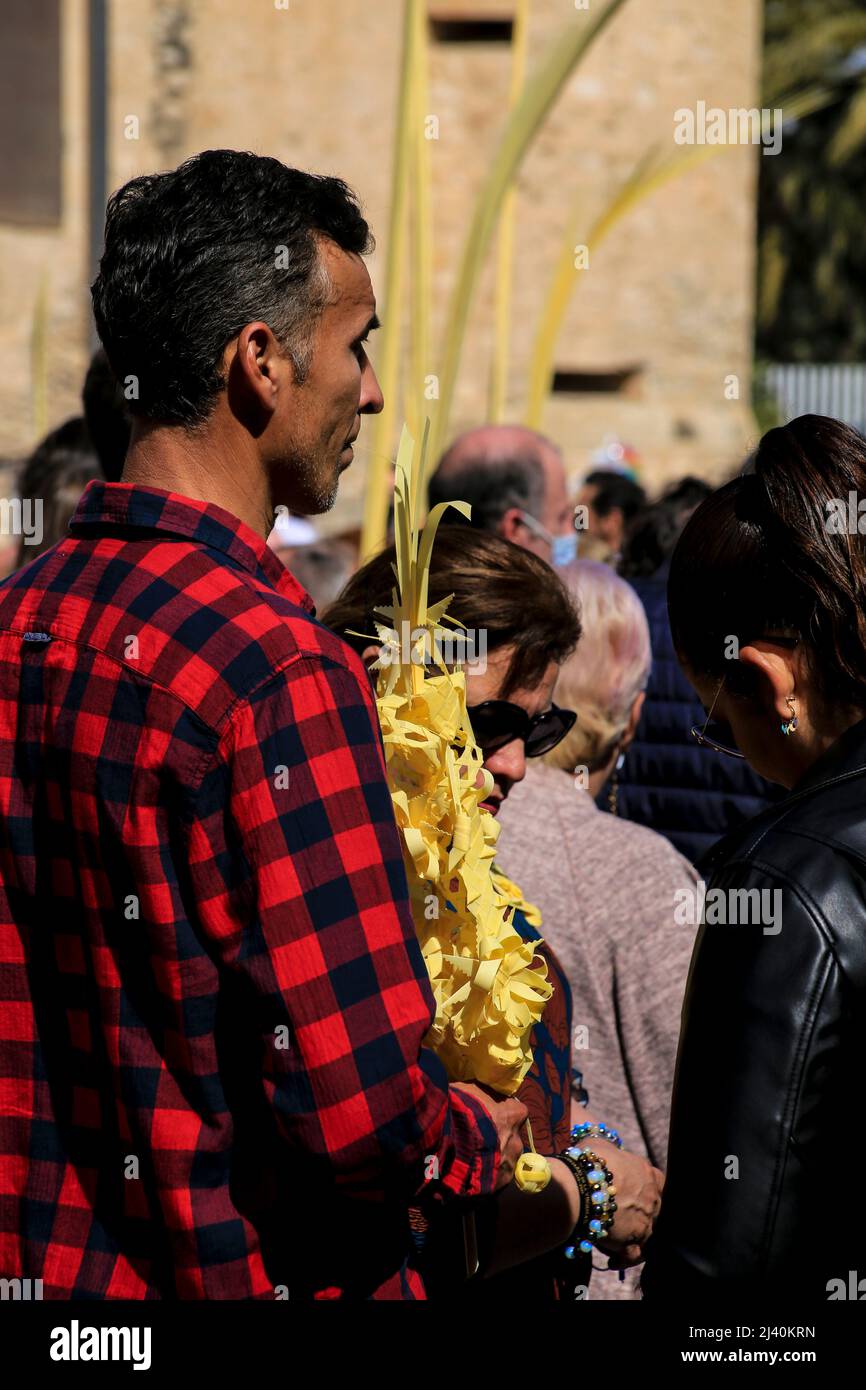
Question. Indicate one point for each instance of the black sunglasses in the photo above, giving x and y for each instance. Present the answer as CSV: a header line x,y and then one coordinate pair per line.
x,y
498,722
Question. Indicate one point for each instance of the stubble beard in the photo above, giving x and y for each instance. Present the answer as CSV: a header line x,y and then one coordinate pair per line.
x,y
313,481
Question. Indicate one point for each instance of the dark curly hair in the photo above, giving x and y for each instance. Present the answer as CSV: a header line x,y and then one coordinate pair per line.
x,y
194,254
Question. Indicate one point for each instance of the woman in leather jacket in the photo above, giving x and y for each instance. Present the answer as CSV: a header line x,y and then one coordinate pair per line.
x,y
767,600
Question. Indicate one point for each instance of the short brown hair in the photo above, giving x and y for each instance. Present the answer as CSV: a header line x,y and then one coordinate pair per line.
x,y
499,588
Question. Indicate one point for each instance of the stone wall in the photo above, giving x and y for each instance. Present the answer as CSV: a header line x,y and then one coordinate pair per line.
x,y
669,292
43,277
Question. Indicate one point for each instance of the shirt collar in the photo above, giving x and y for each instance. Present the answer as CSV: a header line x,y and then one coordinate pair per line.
x,y
132,506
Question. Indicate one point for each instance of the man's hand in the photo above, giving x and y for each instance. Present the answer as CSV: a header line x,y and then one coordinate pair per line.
x,y
508,1115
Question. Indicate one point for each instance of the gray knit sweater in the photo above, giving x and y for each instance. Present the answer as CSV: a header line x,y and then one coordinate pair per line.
x,y
606,890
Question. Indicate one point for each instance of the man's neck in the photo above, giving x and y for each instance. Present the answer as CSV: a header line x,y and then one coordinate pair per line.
x,y
212,465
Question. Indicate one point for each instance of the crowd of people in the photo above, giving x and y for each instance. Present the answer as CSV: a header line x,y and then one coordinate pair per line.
x,y
212,1061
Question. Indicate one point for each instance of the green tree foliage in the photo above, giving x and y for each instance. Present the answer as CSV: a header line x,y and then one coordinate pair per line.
x,y
812,197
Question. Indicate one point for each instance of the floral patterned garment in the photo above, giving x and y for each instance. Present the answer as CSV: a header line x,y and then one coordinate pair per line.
x,y
546,1090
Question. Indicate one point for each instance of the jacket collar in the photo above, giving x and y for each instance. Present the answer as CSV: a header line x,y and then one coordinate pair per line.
x,y
131,507
845,758
842,761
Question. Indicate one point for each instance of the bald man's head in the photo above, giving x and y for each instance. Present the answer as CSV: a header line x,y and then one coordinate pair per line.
x,y
507,473
492,443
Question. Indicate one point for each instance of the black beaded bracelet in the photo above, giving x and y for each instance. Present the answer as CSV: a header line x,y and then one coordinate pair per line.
x,y
582,1186
598,1206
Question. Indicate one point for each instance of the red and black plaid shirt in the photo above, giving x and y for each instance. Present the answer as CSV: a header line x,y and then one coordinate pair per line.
x,y
212,999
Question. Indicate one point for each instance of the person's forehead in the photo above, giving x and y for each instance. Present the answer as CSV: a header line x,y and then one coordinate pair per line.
x,y
536,699
488,685
538,696
353,289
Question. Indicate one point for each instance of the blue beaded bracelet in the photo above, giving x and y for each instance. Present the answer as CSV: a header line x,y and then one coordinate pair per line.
x,y
591,1131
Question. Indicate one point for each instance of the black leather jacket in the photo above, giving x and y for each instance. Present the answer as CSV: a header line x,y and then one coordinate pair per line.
x,y
764,1186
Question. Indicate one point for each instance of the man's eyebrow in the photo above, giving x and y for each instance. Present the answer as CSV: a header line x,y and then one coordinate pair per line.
x,y
371,326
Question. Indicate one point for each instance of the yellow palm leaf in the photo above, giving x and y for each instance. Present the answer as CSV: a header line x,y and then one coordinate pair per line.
x,y
489,985
505,245
648,174
378,468
539,95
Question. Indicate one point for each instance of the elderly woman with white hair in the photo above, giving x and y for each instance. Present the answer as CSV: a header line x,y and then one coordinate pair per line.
x,y
610,892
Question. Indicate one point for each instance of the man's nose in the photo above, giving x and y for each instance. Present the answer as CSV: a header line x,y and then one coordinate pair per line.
x,y
372,400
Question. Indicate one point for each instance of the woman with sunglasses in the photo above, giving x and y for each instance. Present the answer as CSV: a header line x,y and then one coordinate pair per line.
x,y
523,625
607,888
767,599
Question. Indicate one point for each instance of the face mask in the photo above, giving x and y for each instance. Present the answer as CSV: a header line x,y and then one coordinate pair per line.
x,y
563,549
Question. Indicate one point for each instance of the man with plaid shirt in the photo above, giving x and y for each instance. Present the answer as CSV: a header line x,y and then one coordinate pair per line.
x,y
212,999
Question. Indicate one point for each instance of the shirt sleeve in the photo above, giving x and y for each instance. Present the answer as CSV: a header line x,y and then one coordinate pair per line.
x,y
298,873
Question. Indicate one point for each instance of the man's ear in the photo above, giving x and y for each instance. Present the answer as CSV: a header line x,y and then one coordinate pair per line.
x,y
369,654
773,676
511,524
258,369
